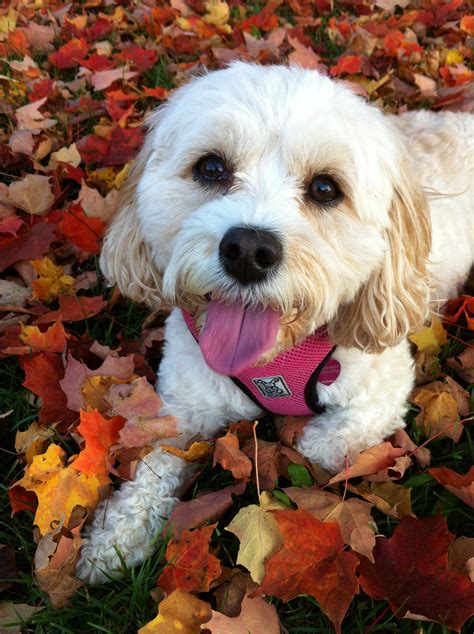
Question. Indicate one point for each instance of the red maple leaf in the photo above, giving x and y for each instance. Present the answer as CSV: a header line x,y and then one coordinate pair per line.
x,y
92,148
411,571
32,243
70,54
123,145
311,562
347,64
43,372
190,566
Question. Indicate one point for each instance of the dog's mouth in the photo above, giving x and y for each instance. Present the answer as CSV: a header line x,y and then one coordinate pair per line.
x,y
234,337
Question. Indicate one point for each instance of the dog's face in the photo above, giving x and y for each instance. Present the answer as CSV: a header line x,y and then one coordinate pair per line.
x,y
275,201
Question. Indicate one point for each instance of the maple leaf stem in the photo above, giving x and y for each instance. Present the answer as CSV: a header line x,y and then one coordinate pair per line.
x,y
257,479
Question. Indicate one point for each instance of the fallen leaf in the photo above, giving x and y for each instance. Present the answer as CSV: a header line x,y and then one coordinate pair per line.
x,y
256,615
370,461
190,566
462,486
439,411
58,489
99,434
74,308
197,451
312,562
411,571
51,280
463,364
179,612
461,556
43,373
32,244
31,441
392,499
52,340
139,403
76,373
32,194
15,613
229,456
83,231
259,538
267,461
206,507
55,566
357,526
429,339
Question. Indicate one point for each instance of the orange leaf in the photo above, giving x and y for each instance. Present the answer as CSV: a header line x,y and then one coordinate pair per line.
x,y
99,434
370,461
190,565
197,451
53,340
311,562
228,454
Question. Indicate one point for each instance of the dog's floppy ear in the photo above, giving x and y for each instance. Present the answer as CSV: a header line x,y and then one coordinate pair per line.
x,y
394,302
126,259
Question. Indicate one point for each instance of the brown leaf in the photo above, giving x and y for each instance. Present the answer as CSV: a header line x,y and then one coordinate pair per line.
x,y
461,556
439,411
32,194
421,454
55,566
229,456
463,364
207,507
392,499
267,460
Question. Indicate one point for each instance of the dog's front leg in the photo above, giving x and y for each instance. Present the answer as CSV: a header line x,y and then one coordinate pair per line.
x,y
365,405
203,402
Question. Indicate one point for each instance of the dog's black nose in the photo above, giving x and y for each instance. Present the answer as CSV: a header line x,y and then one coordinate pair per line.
x,y
249,255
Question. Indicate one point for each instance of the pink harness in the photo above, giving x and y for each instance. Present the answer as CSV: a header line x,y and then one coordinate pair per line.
x,y
287,386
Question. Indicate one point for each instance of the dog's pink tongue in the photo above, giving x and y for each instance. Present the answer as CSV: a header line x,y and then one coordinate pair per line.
x,y
233,337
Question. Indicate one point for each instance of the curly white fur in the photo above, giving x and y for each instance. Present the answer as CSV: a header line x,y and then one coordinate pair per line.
x,y
363,267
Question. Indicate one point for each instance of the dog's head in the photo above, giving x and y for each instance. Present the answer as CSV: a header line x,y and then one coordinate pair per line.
x,y
277,201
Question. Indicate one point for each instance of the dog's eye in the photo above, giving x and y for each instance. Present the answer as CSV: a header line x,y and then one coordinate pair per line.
x,y
211,169
324,190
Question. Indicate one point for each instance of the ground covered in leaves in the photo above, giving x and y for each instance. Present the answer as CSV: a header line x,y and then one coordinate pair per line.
x,y
263,541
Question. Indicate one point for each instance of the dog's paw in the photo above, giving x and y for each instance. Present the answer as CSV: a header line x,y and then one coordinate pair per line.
x,y
323,446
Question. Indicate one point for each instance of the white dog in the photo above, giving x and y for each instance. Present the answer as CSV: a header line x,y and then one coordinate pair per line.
x,y
270,204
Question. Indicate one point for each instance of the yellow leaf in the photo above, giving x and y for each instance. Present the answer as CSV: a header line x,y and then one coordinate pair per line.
x,y
259,537
69,155
197,451
430,339
454,57
51,281
122,175
218,13
7,23
181,613
58,489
